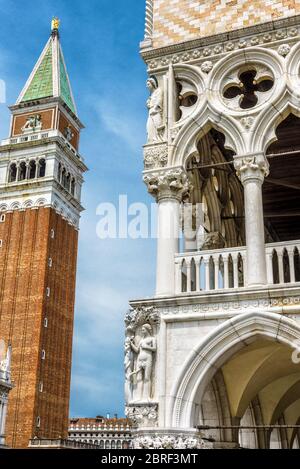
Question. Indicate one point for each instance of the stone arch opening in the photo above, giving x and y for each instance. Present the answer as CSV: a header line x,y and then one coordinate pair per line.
x,y
217,187
281,189
253,354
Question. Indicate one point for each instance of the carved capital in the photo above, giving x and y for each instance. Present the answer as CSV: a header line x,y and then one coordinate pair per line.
x,y
155,155
141,315
171,183
254,167
143,415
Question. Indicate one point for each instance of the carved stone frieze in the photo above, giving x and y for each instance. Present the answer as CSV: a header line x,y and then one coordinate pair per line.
x,y
229,306
143,415
163,441
201,53
155,155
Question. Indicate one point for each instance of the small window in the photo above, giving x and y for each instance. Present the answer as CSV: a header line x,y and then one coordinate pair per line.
x,y
43,355
50,262
38,422
2,218
41,386
12,175
46,322
42,168
52,234
48,292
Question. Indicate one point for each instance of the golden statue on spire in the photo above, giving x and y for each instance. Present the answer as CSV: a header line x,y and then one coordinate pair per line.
x,y
55,24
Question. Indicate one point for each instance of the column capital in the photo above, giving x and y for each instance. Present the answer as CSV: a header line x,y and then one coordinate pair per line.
x,y
172,183
251,167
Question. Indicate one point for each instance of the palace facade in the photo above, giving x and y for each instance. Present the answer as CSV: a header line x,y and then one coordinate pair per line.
x,y
212,360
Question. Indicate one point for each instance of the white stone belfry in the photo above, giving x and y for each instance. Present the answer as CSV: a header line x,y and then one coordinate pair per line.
x,y
5,387
212,359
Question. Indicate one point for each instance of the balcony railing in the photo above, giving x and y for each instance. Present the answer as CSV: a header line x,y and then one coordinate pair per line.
x,y
224,269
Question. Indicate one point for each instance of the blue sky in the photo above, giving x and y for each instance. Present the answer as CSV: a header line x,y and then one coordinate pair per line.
x,y
100,40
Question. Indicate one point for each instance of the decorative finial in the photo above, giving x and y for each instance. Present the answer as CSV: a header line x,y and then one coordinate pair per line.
x,y
55,24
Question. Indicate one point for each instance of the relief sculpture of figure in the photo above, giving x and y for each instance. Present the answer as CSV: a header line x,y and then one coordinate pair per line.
x,y
128,365
32,124
144,363
155,126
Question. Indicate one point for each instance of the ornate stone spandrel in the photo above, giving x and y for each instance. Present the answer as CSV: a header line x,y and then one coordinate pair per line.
x,y
140,353
155,103
143,415
155,155
170,183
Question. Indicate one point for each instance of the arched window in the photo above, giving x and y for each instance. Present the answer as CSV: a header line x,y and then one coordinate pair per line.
x,y
23,170
32,169
73,186
42,168
68,180
12,173
102,444
107,445
63,177
113,445
59,171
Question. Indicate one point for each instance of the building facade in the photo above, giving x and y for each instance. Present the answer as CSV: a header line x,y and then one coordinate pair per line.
x,y
106,433
40,189
212,360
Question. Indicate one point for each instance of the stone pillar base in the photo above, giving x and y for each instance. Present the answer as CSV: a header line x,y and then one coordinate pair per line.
x,y
169,439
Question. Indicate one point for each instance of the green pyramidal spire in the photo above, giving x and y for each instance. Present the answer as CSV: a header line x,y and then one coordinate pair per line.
x,y
49,77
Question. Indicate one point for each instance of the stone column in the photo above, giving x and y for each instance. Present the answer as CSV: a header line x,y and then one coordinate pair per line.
x,y
252,171
169,187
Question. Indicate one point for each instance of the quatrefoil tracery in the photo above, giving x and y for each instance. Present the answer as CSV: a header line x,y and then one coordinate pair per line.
x,y
247,87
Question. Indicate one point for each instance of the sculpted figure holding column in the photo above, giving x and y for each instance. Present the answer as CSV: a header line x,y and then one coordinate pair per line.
x,y
144,363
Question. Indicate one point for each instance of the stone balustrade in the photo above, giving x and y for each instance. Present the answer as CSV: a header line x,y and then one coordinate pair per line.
x,y
223,269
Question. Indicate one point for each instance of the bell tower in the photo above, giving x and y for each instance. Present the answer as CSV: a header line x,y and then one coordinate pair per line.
x,y
41,174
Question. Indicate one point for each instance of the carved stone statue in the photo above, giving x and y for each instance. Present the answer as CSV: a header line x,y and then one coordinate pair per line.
x,y
144,364
33,123
5,361
128,365
155,125
68,133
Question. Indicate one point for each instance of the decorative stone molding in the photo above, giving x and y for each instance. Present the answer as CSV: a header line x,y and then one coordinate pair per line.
x,y
284,49
247,122
171,183
207,66
252,167
155,155
199,50
33,204
231,307
170,440
143,414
